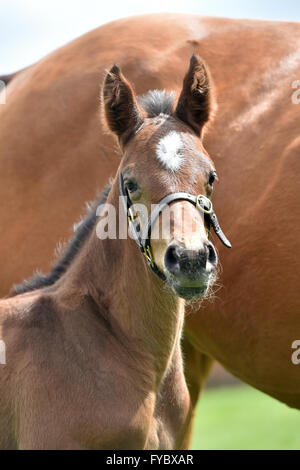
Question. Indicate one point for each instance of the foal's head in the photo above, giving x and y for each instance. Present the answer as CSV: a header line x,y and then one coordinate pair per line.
x,y
163,154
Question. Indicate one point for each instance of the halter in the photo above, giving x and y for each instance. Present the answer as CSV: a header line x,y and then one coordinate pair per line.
x,y
202,203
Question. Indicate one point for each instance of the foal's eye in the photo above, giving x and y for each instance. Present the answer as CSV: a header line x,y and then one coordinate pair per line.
x,y
131,186
212,178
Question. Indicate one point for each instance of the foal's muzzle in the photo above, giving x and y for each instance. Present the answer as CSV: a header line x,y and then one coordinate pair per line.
x,y
190,263
189,271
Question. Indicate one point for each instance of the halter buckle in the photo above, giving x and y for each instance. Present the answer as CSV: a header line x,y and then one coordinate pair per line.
x,y
149,256
203,201
131,216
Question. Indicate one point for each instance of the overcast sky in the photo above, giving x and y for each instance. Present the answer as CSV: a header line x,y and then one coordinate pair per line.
x,y
30,29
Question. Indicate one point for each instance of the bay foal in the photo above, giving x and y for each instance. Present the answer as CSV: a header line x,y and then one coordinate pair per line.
x,y
93,357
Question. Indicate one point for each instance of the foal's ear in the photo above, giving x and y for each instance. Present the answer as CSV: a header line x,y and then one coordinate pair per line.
x,y
121,110
195,101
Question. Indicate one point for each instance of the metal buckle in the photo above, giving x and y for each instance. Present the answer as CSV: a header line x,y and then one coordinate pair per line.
x,y
204,199
131,216
148,255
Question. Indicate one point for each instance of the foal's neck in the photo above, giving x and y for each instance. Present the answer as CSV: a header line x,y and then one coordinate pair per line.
x,y
114,273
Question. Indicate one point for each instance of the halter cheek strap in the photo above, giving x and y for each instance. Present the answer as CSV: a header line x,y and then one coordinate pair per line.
x,y
144,240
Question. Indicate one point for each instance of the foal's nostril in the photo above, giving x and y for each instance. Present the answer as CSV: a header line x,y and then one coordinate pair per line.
x,y
212,255
172,258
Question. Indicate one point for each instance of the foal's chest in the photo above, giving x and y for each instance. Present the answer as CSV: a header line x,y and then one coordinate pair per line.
x,y
172,411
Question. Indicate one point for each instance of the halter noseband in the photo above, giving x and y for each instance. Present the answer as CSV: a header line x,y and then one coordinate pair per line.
x,y
202,203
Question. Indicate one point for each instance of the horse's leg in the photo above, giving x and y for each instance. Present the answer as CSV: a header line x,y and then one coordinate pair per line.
x,y
196,369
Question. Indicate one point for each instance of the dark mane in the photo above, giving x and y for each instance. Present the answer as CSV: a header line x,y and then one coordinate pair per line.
x,y
157,102
82,230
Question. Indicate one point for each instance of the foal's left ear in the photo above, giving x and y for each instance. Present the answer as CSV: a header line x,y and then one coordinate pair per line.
x,y
194,102
122,113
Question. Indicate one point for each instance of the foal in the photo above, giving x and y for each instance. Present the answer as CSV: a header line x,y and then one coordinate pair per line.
x,y
93,358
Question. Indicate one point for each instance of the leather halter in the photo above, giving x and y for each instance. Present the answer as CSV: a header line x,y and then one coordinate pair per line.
x,y
143,240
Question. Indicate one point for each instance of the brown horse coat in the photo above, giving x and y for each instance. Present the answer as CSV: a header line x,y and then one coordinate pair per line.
x,y
52,159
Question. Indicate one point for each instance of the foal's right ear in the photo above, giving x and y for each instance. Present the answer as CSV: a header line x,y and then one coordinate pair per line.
x,y
121,110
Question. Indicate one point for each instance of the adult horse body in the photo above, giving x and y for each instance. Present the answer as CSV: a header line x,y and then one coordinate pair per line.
x,y
50,132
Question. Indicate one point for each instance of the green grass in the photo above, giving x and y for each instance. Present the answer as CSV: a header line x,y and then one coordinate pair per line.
x,y
243,418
